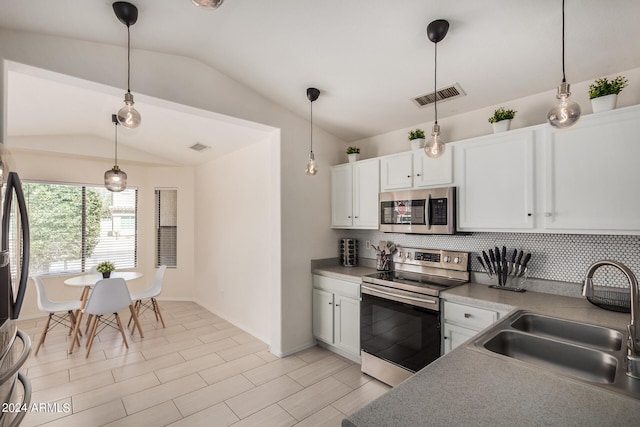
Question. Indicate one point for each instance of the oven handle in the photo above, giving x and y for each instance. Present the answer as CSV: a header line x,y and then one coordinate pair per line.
x,y
428,212
399,296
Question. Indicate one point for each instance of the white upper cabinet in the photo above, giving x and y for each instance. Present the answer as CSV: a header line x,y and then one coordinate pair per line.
x,y
414,169
591,176
354,194
342,196
396,172
495,178
583,179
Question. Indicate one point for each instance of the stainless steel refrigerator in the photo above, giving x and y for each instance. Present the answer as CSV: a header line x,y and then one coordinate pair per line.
x,y
14,344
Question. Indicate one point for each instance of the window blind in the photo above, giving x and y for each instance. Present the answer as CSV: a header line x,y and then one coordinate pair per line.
x,y
74,227
166,227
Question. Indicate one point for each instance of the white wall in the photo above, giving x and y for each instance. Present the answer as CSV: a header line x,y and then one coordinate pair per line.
x,y
179,282
531,110
303,217
234,213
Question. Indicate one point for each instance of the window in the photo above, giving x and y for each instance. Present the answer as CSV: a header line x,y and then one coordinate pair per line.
x,y
166,227
75,227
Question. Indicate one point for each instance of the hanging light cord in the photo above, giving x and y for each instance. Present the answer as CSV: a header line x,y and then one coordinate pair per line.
x,y
435,78
116,155
128,58
564,80
311,127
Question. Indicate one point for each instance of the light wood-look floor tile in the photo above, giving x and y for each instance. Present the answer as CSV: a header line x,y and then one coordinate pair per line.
x,y
198,371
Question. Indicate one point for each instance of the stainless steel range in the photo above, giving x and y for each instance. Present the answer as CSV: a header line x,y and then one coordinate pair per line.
x,y
400,311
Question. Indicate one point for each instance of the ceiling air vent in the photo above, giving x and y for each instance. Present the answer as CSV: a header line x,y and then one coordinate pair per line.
x,y
444,94
199,147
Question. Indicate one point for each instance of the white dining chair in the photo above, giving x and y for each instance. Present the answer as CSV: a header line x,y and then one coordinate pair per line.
x,y
108,296
150,296
68,319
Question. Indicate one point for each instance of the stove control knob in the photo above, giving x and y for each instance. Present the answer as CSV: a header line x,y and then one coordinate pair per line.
x,y
457,260
447,258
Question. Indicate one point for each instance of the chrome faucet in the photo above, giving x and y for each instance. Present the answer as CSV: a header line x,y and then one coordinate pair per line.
x,y
633,352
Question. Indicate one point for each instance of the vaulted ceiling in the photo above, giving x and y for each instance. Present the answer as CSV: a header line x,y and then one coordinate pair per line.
x,y
369,58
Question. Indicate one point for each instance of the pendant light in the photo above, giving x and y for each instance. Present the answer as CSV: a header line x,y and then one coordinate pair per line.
x,y
115,179
436,31
207,4
128,116
312,166
566,113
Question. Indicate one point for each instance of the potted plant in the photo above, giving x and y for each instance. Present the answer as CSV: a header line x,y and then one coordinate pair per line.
x,y
603,93
354,154
416,137
501,119
105,267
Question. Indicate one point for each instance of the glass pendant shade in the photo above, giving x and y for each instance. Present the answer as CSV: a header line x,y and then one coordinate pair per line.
x,y
567,112
208,4
435,146
312,166
128,116
115,179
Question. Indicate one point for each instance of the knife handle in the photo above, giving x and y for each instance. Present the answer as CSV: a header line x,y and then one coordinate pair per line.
x,y
514,255
486,260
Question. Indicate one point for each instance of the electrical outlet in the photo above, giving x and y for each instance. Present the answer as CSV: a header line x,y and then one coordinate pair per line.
x,y
368,244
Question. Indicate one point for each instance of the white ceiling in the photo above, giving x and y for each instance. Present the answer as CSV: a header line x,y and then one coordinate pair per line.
x,y
368,58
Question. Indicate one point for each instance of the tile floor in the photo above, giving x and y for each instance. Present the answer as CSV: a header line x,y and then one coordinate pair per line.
x,y
199,371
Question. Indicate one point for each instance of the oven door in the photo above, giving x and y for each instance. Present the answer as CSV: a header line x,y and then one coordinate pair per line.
x,y
399,329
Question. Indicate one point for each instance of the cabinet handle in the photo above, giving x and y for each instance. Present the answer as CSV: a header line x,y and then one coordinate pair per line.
x,y
446,338
408,176
467,315
330,303
417,174
529,214
349,216
337,305
356,216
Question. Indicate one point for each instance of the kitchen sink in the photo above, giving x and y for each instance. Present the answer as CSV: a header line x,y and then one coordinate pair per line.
x,y
573,332
585,363
588,353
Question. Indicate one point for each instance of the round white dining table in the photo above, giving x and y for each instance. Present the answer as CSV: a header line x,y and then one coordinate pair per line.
x,y
86,281
92,279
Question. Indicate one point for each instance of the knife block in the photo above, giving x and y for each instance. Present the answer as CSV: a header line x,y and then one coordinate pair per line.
x,y
514,282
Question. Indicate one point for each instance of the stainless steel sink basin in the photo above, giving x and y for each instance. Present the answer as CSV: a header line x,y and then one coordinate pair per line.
x,y
573,332
585,363
588,353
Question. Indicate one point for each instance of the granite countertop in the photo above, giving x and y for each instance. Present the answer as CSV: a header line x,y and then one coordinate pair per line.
x,y
469,387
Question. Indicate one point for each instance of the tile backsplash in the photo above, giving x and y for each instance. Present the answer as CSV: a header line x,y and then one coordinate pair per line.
x,y
559,257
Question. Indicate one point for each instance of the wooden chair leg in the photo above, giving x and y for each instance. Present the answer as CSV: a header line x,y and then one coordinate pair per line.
x,y
124,338
89,317
131,316
93,334
76,330
44,333
156,308
135,320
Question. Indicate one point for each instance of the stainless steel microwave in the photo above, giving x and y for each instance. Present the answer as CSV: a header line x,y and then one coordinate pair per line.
x,y
424,211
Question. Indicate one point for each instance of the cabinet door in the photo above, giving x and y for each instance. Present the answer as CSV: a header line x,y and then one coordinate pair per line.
x,y
366,186
592,175
453,336
323,317
347,324
496,182
428,172
396,172
341,196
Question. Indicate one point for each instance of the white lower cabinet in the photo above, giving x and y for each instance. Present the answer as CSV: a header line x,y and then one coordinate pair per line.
x,y
461,322
336,315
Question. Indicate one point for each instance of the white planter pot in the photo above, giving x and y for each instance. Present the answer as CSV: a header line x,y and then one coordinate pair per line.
x,y
604,103
416,144
353,157
501,126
